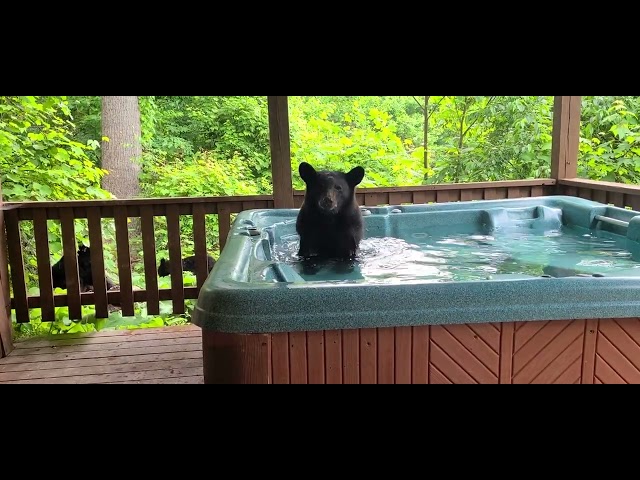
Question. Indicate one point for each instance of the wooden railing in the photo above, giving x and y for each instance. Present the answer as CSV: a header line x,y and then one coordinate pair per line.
x,y
172,209
618,194
452,192
120,211
6,344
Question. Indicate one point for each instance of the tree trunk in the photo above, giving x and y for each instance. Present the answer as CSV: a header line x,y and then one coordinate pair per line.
x,y
426,134
122,151
463,132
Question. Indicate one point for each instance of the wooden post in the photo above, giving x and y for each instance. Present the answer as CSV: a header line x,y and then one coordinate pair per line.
x,y
566,137
6,343
280,152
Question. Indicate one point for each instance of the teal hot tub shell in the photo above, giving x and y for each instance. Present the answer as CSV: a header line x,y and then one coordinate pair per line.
x,y
249,291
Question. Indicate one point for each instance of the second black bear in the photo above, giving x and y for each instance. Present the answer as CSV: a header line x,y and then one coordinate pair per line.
x,y
330,223
85,273
188,265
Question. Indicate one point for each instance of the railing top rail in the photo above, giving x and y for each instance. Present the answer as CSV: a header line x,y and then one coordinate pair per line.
x,y
600,185
256,198
456,186
135,202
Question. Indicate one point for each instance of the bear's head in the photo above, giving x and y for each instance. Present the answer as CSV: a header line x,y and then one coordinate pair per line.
x,y
84,257
329,192
164,269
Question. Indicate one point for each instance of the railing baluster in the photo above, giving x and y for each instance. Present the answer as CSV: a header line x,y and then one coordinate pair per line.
x,y
418,198
633,201
490,193
599,196
514,192
442,196
585,193
97,262
150,265
224,223
466,196
124,261
616,198
70,252
175,259
398,198
537,191
41,233
16,263
200,243
376,199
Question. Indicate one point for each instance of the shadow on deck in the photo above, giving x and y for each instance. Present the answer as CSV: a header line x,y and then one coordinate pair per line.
x,y
161,355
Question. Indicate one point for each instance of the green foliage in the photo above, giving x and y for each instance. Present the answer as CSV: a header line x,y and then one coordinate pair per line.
x,y
204,174
86,114
177,128
361,136
38,159
470,138
475,139
610,139
89,323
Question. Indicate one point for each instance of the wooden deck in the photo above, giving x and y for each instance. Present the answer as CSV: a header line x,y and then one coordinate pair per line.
x,y
160,355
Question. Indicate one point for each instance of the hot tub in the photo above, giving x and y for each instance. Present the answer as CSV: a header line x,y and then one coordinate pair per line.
x,y
538,290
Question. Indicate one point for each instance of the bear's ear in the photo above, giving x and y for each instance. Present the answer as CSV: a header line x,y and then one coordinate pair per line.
x,y
307,172
355,176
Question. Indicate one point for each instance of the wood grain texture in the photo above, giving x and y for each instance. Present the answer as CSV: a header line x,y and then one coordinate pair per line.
x,y
147,226
175,259
550,352
618,351
236,359
97,263
164,355
45,282
70,252
124,261
280,145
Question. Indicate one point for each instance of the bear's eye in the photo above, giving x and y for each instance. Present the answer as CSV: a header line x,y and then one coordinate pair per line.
x,y
337,187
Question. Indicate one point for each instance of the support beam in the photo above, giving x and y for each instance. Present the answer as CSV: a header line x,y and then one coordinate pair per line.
x,y
6,341
566,137
280,152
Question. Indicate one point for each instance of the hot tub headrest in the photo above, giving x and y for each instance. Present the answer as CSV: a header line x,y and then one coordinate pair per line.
x,y
539,218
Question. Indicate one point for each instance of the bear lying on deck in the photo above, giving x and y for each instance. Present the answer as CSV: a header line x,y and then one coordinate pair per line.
x,y
85,272
188,265
330,223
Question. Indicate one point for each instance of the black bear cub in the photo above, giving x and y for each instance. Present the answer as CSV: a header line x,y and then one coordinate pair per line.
x,y
188,265
85,272
330,223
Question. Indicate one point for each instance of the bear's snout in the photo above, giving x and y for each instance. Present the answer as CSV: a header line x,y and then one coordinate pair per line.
x,y
328,203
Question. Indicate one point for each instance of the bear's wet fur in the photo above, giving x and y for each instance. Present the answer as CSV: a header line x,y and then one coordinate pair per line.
x,y
85,272
329,223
